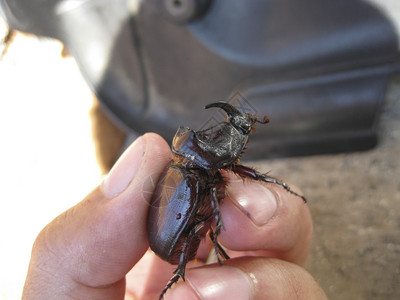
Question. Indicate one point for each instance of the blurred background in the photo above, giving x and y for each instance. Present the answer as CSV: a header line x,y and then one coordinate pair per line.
x,y
79,80
47,156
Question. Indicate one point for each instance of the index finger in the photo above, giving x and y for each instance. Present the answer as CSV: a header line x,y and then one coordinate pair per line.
x,y
265,218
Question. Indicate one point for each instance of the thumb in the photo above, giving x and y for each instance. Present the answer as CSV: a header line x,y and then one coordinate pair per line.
x,y
248,278
86,251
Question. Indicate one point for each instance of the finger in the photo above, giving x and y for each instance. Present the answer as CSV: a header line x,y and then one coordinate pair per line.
x,y
248,278
89,248
264,217
149,276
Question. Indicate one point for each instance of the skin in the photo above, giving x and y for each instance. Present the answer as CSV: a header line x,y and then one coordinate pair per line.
x,y
98,249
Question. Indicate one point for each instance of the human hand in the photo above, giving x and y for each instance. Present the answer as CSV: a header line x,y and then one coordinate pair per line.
x,y
87,252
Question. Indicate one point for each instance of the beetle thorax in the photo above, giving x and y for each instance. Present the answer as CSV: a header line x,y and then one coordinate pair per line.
x,y
217,147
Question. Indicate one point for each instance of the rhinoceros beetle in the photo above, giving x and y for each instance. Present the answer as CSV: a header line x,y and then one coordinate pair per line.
x,y
187,196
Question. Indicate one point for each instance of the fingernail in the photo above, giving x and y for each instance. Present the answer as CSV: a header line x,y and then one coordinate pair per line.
x,y
124,170
253,199
220,283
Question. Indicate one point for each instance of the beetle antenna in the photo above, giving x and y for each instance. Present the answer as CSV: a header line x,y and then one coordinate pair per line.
x,y
264,120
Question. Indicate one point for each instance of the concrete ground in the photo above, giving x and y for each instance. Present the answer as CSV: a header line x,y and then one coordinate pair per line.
x,y
47,165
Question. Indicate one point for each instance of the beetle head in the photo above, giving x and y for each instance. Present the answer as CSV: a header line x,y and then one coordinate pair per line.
x,y
241,121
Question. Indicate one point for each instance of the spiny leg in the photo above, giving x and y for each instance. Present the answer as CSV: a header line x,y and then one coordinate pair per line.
x,y
179,273
219,225
244,171
183,259
174,279
219,250
216,211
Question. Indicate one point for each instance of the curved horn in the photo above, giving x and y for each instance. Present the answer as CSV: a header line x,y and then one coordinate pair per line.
x,y
229,109
239,120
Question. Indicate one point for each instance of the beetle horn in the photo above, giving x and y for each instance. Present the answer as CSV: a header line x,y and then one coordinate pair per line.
x,y
229,109
239,120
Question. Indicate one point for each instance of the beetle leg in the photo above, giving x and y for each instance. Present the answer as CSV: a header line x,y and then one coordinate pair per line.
x,y
216,211
219,224
170,283
247,172
179,273
219,250
183,259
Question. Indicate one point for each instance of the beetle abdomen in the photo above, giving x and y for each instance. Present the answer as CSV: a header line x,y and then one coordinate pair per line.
x,y
173,205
